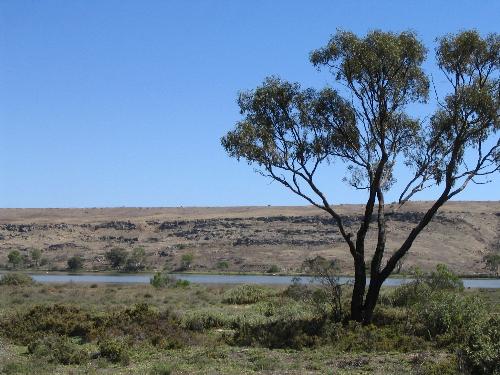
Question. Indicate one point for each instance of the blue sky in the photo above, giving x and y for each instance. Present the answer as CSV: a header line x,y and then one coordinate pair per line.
x,y
123,103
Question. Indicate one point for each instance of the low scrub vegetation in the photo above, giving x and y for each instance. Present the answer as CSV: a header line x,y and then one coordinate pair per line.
x,y
246,294
429,326
14,279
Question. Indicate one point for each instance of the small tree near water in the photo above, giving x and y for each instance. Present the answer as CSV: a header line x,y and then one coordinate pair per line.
x,y
292,134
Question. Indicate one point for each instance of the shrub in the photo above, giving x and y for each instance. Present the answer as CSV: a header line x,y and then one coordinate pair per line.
x,y
58,349
142,322
493,262
201,320
273,269
137,260
186,261
117,257
41,320
358,338
326,272
448,317
298,291
16,279
222,265
161,369
444,279
424,285
163,280
15,258
36,256
481,350
115,350
245,294
75,263
280,333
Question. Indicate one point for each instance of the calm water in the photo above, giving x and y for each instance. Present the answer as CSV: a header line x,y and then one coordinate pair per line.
x,y
223,279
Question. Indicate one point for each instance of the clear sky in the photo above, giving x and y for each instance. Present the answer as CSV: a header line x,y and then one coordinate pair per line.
x,y
123,103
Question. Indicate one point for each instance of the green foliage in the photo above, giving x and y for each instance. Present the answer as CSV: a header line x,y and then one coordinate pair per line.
x,y
58,349
298,291
136,261
186,261
481,350
115,350
363,61
164,280
358,338
161,280
222,265
326,272
493,262
424,285
117,257
273,269
201,320
75,263
448,317
40,320
16,279
15,258
283,332
444,279
161,369
448,366
246,294
36,256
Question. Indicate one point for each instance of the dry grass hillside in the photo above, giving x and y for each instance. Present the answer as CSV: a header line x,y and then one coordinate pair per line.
x,y
245,238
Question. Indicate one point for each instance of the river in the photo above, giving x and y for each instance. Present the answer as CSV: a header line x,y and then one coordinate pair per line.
x,y
221,279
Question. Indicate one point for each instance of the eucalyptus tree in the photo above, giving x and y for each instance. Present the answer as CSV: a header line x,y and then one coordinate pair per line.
x,y
290,134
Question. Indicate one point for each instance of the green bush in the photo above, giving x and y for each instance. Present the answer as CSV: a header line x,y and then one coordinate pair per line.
x,y
136,261
42,320
222,265
75,263
163,280
186,261
298,291
161,369
447,366
293,333
273,269
444,279
481,350
246,294
15,258
423,285
16,279
117,257
58,349
201,320
448,317
143,322
355,337
115,350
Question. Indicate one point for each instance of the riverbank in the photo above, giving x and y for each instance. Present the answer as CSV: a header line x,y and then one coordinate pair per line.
x,y
266,279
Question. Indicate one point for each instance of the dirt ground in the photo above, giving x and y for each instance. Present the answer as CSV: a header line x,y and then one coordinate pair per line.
x,y
247,239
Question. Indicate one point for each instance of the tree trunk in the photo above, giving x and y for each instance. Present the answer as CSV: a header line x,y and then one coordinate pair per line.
x,y
358,292
371,298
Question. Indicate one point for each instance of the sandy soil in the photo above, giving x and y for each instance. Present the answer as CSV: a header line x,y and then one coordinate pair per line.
x,y
246,238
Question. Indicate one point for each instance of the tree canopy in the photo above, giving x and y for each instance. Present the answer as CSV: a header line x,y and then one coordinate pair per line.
x,y
289,132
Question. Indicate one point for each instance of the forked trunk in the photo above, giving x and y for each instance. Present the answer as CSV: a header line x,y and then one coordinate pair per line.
x,y
371,299
358,292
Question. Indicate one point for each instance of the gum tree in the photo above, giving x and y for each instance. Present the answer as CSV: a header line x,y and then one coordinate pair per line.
x,y
290,134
